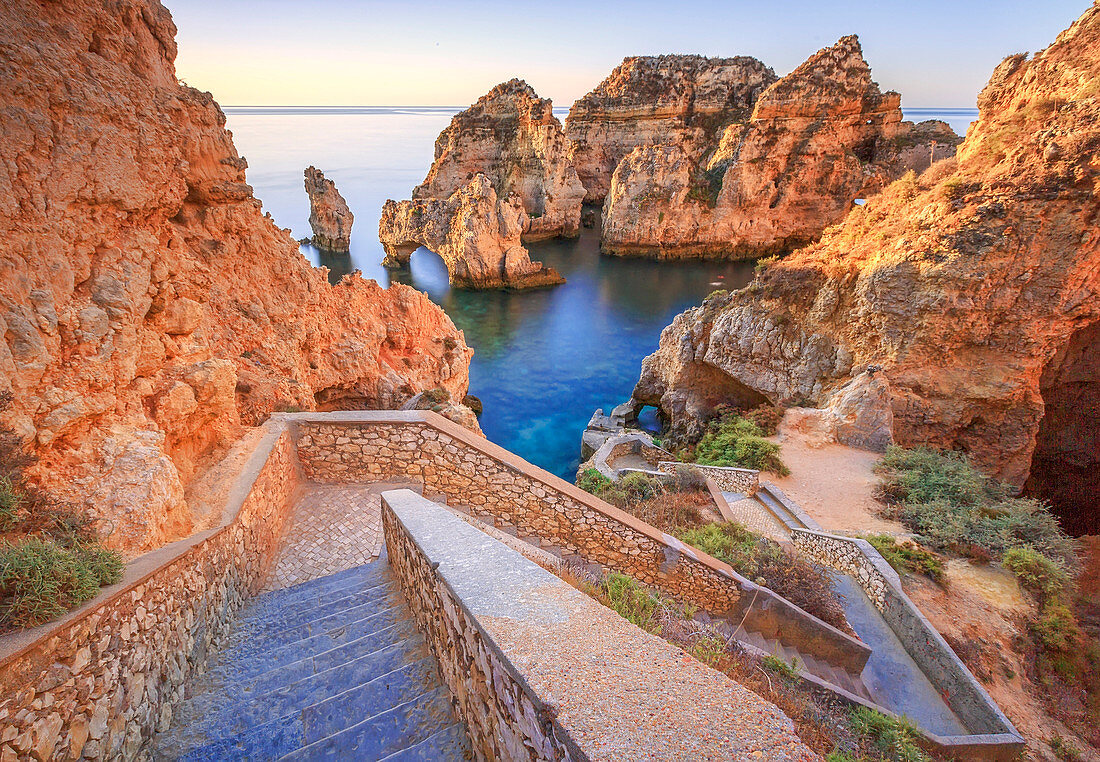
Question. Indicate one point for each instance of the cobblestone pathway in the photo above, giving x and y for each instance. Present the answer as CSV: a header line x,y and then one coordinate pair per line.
x,y
333,527
756,517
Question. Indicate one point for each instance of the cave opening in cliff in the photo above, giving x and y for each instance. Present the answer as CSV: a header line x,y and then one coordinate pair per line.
x,y
1065,469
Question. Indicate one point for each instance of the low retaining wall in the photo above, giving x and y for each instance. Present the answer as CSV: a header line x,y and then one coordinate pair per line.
x,y
102,680
539,671
471,471
995,738
744,480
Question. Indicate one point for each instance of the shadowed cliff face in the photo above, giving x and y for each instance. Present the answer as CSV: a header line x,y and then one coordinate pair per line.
x,y
956,309
149,308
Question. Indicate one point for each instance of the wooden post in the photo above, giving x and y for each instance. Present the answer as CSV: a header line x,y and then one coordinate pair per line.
x,y
932,154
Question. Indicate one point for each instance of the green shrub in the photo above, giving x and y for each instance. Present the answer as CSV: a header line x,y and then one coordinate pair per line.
x,y
765,417
632,601
1056,629
953,506
735,441
709,649
895,738
907,557
41,580
640,486
1046,578
780,667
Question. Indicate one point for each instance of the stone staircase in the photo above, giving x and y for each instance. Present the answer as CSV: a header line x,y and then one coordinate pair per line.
x,y
333,668
755,641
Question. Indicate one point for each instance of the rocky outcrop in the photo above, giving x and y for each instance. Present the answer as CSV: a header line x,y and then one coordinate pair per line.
x,y
653,100
512,137
957,309
149,310
329,215
476,235
815,141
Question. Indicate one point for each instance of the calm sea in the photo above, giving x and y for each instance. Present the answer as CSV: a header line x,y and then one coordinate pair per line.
x,y
543,360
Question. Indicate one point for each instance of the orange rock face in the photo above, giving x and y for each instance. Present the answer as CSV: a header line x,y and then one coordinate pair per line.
x,y
958,309
329,215
476,235
788,160
654,100
149,308
512,137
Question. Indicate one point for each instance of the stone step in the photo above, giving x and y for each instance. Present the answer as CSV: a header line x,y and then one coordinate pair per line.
x,y
277,616
384,734
271,739
231,707
358,577
448,745
246,659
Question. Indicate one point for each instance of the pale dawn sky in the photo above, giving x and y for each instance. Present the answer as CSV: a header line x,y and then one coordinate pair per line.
x,y
366,53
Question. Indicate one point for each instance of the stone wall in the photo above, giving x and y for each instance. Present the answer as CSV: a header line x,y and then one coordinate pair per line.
x,y
504,717
99,682
744,480
994,737
366,446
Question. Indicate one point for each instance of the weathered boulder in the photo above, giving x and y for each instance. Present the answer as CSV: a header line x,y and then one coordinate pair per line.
x,y
329,215
477,235
970,295
654,100
512,137
149,310
775,175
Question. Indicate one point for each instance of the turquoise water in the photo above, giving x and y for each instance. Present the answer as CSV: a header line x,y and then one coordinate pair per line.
x,y
543,360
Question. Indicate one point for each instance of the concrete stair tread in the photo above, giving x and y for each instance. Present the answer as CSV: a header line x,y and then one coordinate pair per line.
x,y
256,736
378,569
448,745
283,616
386,733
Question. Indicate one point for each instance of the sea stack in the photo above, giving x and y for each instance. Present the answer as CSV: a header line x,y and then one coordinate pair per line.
x,y
329,215
750,165
475,233
513,138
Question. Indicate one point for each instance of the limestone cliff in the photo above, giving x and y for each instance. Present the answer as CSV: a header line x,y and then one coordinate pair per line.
x,y
775,175
653,100
329,216
149,309
512,137
958,309
476,234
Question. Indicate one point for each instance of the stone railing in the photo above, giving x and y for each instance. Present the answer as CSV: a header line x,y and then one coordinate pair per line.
x,y
993,735
540,671
744,480
471,471
98,683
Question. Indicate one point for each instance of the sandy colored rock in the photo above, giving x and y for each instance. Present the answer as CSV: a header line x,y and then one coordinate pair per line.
x,y
477,235
652,100
149,308
329,216
972,292
512,137
786,162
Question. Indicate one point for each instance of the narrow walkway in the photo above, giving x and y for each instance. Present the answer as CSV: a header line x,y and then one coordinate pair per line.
x,y
332,528
748,511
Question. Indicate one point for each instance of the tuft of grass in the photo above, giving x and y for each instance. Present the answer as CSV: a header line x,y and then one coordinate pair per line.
x,y
907,556
40,579
632,601
11,500
895,738
1045,578
781,667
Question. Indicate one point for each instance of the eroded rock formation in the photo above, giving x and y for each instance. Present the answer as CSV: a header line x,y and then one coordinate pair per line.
x,y
512,137
956,309
149,308
778,165
329,215
477,235
652,100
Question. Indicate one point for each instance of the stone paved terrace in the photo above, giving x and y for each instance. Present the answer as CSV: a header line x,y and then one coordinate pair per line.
x,y
332,527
